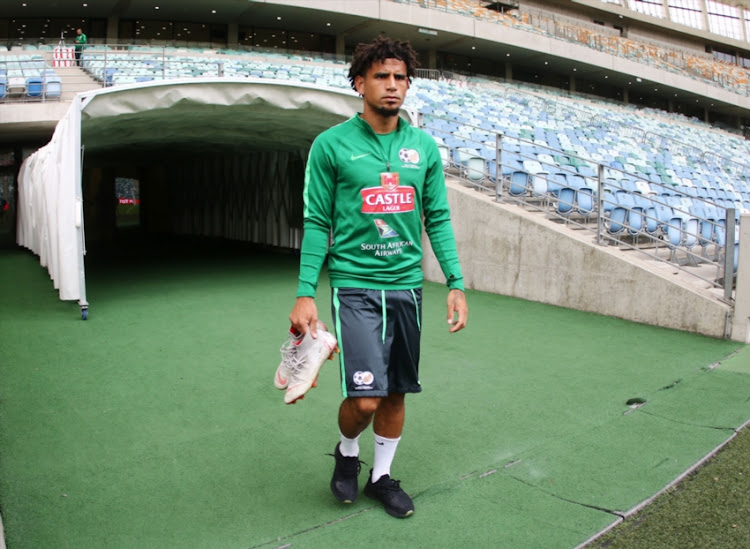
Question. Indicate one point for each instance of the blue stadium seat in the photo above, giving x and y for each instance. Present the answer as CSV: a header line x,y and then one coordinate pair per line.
x,y
556,181
585,201
519,183
34,86
566,201
52,85
637,220
616,222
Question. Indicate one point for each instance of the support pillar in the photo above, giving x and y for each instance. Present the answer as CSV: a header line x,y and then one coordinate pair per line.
x,y
432,59
113,30
741,318
233,32
341,46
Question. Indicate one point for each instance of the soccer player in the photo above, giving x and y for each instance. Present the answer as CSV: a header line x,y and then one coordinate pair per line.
x,y
370,182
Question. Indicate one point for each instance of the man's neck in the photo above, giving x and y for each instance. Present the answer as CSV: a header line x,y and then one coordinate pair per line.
x,y
380,124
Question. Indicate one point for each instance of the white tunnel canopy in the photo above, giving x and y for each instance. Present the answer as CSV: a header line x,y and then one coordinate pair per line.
x,y
211,114
153,120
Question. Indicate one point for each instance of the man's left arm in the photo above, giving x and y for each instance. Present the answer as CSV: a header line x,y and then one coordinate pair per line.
x,y
458,310
440,232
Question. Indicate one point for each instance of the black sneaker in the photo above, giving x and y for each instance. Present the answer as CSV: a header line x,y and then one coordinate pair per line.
x,y
397,503
344,483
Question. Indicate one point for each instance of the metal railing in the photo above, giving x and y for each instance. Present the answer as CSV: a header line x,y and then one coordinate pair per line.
x,y
25,78
696,235
114,64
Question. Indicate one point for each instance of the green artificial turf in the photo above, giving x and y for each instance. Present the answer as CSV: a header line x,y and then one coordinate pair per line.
x,y
709,509
155,422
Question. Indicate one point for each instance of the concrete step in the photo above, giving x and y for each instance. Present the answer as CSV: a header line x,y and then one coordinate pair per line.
x,y
75,80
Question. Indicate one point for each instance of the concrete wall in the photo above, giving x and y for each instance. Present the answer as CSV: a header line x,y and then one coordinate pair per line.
x,y
741,319
508,251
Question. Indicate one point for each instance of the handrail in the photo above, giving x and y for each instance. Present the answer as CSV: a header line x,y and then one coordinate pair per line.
x,y
644,243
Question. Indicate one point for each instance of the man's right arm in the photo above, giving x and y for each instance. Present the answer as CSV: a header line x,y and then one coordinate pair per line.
x,y
304,315
318,207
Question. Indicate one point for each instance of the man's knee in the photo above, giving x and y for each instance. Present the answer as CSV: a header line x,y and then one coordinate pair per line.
x,y
365,406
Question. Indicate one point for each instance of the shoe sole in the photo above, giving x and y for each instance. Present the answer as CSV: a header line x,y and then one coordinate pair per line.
x,y
391,512
339,498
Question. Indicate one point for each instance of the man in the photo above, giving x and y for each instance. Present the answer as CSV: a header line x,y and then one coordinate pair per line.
x,y
370,181
81,40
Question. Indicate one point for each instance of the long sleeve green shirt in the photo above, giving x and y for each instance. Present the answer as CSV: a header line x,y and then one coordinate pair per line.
x,y
371,194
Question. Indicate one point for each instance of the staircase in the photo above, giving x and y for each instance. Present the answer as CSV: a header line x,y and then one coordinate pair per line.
x,y
75,80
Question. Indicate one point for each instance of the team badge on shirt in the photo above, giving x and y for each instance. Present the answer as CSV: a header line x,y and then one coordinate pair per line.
x,y
409,156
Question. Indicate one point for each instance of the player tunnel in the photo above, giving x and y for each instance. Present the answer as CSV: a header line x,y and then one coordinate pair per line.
x,y
222,159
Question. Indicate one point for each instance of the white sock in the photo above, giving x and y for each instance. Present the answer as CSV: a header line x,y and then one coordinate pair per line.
x,y
385,449
349,447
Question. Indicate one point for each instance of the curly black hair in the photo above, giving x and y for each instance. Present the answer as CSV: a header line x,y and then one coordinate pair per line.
x,y
380,49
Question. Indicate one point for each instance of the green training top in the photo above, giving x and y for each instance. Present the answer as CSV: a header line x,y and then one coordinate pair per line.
x,y
372,201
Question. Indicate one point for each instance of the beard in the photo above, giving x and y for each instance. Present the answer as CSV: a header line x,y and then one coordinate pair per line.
x,y
386,112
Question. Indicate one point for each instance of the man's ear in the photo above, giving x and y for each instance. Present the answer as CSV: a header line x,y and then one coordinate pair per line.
x,y
358,83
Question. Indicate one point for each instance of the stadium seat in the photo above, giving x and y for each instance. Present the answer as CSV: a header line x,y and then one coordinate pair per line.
x,y
16,85
706,215
585,201
519,183
556,181
52,86
34,87
444,151
475,169
652,223
566,199
624,214
636,214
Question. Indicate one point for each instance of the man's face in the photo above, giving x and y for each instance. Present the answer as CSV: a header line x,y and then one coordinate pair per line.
x,y
384,86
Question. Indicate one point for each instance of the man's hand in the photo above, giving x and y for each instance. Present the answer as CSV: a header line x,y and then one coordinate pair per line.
x,y
304,316
457,307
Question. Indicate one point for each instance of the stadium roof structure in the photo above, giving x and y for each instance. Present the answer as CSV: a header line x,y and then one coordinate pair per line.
x,y
206,115
533,54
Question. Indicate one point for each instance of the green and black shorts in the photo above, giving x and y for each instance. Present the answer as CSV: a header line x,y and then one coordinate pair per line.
x,y
379,336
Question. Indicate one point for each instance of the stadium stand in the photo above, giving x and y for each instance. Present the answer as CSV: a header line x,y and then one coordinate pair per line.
x,y
549,164
28,77
703,67
638,178
658,185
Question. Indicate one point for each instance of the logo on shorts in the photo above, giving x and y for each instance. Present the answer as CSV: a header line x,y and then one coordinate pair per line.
x,y
363,380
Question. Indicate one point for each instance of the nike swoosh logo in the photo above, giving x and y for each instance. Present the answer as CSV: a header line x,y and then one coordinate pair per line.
x,y
359,156
381,443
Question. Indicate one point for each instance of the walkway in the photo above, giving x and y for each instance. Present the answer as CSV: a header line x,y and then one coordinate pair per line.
x,y
155,423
